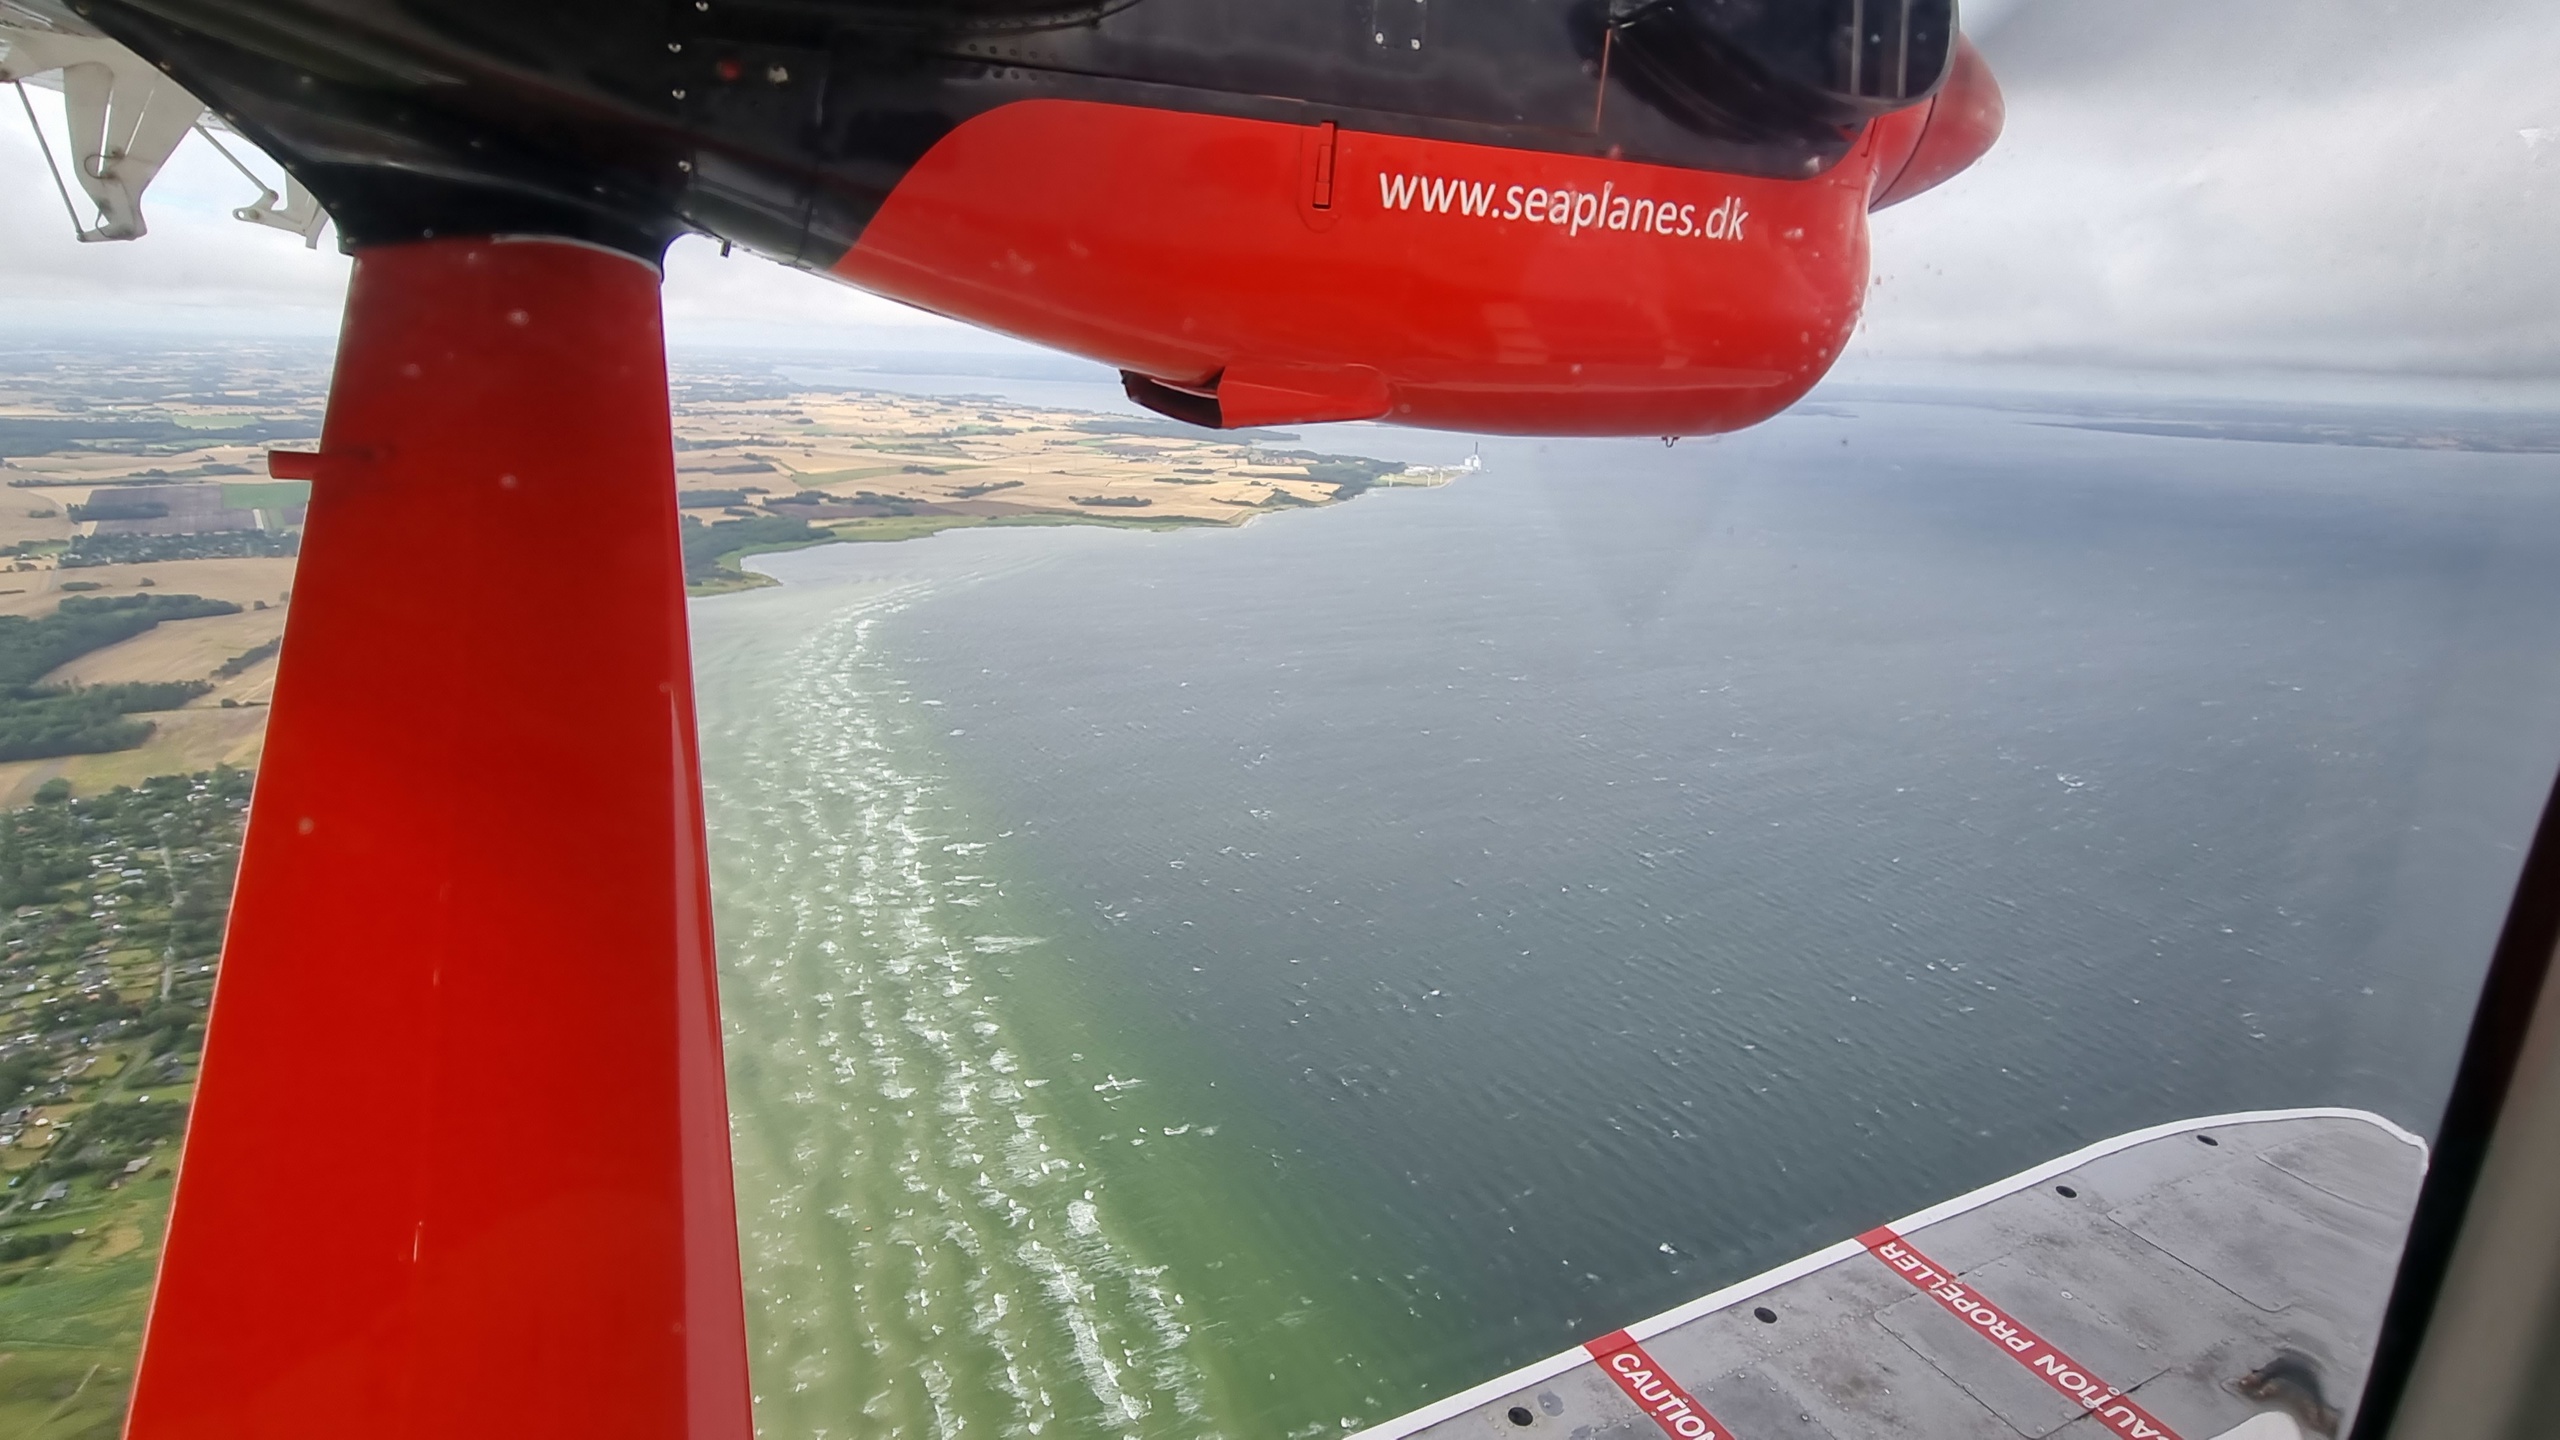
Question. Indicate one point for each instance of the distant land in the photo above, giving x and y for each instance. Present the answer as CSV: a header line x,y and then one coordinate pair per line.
x,y
761,472
140,472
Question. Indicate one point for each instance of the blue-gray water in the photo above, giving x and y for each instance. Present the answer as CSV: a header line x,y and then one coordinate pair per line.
x,y
1266,979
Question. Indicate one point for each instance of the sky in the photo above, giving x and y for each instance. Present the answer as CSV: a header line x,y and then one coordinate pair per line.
x,y
2326,184
2342,186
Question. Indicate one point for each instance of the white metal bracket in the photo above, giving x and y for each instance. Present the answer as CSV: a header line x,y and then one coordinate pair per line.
x,y
298,212
124,119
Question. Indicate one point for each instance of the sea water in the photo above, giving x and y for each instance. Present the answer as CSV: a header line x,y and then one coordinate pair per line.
x,y
1252,982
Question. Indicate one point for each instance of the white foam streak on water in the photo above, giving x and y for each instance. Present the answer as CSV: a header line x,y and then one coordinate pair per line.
x,y
926,1251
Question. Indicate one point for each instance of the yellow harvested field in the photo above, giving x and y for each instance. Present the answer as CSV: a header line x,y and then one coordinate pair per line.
x,y
119,1239
182,741
872,454
244,581
20,522
174,650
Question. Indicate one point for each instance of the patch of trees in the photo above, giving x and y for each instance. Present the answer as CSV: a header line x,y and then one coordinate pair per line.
x,y
846,505
19,1075
169,1025
31,729
108,1134
150,549
129,1125
246,658
91,721
118,507
45,435
1347,474
1116,502
37,721
713,499
706,546
81,1012
32,645
971,492
1175,430
30,1245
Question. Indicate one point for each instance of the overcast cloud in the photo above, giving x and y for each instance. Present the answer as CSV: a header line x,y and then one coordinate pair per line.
x,y
2346,183
2322,184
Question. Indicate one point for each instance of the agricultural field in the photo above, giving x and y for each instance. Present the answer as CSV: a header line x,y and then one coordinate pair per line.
x,y
771,472
126,474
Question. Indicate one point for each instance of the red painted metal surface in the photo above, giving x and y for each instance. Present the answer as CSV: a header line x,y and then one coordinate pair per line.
x,y
1928,145
459,1161
1191,248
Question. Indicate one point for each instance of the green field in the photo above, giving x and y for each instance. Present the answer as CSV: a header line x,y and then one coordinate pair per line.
x,y
266,495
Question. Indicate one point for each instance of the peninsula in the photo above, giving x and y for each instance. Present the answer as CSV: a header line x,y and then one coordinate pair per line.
x,y
768,473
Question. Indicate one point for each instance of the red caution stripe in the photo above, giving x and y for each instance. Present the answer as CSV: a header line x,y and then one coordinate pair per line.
x,y
1653,1389
2113,1408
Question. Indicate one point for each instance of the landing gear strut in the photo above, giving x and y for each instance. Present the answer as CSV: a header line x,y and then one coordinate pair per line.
x,y
459,1163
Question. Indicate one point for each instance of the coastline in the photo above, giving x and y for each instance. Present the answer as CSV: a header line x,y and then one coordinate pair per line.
x,y
890,531
760,471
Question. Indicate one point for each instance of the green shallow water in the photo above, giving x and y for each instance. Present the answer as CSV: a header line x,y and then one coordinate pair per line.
x,y
971,1202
